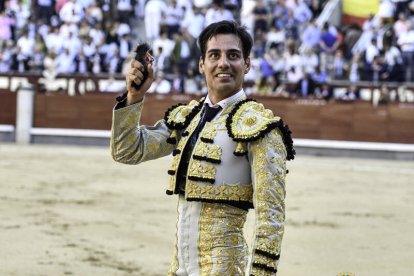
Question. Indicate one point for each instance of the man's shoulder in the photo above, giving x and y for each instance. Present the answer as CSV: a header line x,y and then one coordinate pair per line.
x,y
179,116
250,121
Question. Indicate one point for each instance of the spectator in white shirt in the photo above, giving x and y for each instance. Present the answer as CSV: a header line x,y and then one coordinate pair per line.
x,y
165,43
406,43
73,43
154,11
21,10
125,46
88,47
174,14
97,34
65,62
50,65
94,12
392,55
217,13
223,14
123,29
401,25
275,38
202,3
26,44
309,61
210,14
193,22
72,12
302,12
6,57
372,51
124,9
66,28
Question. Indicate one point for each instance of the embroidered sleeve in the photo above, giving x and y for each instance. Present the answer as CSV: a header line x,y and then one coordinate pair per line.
x,y
132,143
268,165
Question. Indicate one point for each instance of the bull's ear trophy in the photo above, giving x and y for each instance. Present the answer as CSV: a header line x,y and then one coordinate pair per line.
x,y
143,54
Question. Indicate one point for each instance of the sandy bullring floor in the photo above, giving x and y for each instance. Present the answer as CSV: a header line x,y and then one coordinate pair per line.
x,y
73,211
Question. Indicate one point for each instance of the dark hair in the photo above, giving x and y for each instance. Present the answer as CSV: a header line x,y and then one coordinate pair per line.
x,y
225,27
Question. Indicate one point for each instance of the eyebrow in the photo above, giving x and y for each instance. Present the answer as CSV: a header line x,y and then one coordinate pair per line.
x,y
229,50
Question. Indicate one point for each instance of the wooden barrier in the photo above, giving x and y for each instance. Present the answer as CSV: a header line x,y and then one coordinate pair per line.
x,y
312,119
7,108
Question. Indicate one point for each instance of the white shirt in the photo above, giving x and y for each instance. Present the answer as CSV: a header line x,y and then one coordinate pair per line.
x,y
65,63
155,7
194,23
54,42
123,29
71,12
166,44
124,5
406,41
26,45
201,3
392,56
226,102
66,29
173,15
371,52
185,50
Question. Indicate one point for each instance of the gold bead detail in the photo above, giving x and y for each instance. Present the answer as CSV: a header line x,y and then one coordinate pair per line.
x,y
249,121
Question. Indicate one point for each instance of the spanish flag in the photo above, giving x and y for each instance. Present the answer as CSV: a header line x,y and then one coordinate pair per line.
x,y
357,11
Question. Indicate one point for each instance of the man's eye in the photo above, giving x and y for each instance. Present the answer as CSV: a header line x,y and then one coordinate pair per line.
x,y
234,56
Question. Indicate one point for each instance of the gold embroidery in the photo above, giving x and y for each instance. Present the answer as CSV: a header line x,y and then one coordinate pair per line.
x,y
202,171
153,147
221,242
240,149
206,239
208,151
250,120
180,147
260,272
237,192
174,264
179,114
269,195
209,131
260,259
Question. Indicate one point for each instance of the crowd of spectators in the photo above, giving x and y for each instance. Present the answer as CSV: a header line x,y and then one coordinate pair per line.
x,y
66,36
291,56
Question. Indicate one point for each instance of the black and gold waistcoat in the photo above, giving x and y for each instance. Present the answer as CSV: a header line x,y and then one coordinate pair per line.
x,y
219,168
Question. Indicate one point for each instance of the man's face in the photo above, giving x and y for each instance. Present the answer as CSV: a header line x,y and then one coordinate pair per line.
x,y
224,66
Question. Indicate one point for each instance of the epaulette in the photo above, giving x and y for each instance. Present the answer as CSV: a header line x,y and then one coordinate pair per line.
x,y
179,117
249,121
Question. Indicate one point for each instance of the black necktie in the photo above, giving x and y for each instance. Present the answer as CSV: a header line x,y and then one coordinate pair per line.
x,y
208,114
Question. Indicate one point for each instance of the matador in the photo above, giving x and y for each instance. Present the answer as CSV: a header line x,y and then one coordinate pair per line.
x,y
229,155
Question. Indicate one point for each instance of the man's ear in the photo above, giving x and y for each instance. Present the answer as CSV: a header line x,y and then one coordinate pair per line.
x,y
247,65
201,66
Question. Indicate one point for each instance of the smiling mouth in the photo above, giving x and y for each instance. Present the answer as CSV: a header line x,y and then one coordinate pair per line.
x,y
223,75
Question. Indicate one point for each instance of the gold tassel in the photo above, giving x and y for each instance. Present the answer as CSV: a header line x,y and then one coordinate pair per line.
x,y
240,149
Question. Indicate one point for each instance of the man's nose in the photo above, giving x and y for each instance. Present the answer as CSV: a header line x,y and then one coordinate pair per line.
x,y
223,61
